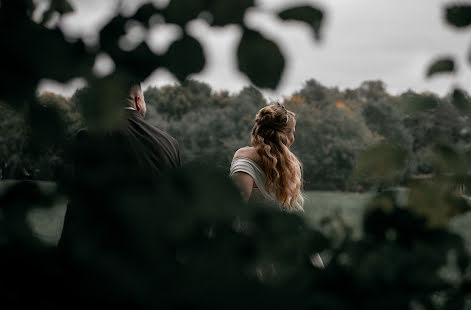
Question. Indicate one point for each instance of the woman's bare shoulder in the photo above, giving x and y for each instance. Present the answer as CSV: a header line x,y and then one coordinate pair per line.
x,y
248,152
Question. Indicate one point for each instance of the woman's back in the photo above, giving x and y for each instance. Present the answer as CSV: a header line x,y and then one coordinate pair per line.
x,y
281,179
247,161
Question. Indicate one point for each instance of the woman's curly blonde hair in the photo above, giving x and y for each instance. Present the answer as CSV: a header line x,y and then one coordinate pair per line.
x,y
281,166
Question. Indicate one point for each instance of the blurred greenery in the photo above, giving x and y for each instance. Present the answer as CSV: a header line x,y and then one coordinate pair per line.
x,y
339,129
443,65
184,239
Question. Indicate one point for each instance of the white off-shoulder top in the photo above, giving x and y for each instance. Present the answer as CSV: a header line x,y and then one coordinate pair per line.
x,y
260,194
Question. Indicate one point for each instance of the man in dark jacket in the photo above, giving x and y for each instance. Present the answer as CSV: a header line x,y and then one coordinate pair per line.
x,y
153,149
115,177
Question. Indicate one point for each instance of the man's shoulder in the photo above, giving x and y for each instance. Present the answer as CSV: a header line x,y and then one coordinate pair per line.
x,y
159,132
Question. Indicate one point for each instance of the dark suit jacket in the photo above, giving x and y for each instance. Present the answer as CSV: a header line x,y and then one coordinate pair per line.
x,y
109,168
153,149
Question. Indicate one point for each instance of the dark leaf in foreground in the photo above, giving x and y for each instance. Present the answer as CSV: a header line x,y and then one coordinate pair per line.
x,y
229,12
110,34
181,12
43,53
47,126
140,62
57,6
62,6
260,59
458,15
462,101
145,12
443,65
308,14
384,162
101,102
184,57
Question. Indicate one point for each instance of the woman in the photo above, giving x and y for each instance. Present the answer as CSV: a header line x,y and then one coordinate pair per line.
x,y
268,171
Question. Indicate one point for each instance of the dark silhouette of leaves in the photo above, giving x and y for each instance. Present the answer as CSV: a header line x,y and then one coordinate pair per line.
x,y
101,103
53,58
260,59
47,126
181,12
57,6
461,101
145,12
229,12
184,57
458,15
308,14
384,161
110,34
140,62
443,65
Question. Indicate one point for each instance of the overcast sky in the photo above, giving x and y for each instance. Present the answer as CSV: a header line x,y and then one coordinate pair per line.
x,y
391,40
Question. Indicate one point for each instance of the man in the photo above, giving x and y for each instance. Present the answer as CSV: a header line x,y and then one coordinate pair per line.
x,y
125,161
112,192
154,149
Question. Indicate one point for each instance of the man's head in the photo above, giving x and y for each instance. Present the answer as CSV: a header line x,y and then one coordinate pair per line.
x,y
136,99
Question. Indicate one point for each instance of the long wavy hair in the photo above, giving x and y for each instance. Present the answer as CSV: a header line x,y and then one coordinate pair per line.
x,y
282,168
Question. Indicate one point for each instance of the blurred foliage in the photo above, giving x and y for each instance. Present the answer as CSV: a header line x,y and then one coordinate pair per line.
x,y
185,239
371,164
458,15
257,55
311,16
335,129
444,65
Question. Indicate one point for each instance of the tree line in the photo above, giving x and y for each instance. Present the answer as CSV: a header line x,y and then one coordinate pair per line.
x,y
337,130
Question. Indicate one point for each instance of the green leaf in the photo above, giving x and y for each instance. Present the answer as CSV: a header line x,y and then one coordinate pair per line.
x,y
461,101
458,15
185,57
449,160
111,32
384,162
101,102
260,59
308,14
145,12
47,126
57,6
181,12
62,6
139,63
229,11
53,57
443,65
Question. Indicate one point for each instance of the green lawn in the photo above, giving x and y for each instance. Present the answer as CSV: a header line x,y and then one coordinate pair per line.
x,y
47,223
349,206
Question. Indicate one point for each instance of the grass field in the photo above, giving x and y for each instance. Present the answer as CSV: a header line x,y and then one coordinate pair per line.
x,y
47,223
